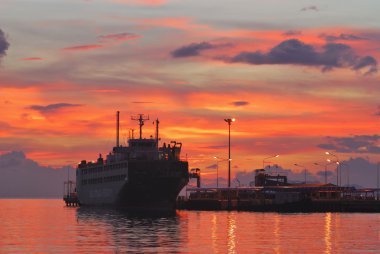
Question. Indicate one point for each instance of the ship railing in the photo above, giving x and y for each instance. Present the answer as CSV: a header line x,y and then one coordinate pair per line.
x,y
69,188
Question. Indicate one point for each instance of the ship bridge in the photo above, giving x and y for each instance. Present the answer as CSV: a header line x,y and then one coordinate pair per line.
x,y
138,148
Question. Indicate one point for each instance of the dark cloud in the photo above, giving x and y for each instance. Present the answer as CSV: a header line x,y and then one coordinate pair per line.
x,y
292,33
342,37
310,8
23,177
293,51
193,49
354,144
288,52
240,103
212,166
52,107
364,62
322,173
4,44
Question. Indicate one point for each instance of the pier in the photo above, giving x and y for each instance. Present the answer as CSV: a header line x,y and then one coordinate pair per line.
x,y
317,198
275,194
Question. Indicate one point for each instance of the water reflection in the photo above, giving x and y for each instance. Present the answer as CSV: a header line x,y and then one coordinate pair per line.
x,y
214,230
132,233
328,233
47,226
231,218
276,233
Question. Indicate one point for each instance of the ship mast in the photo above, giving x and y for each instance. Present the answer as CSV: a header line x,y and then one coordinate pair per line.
x,y
117,127
157,123
141,118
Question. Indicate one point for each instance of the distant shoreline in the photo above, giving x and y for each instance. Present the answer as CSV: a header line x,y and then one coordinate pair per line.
x,y
35,197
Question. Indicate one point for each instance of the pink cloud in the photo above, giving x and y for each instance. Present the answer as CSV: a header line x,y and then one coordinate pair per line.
x,y
180,23
84,47
105,41
32,59
118,37
142,2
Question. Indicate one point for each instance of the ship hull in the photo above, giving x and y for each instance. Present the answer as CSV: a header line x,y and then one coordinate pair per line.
x,y
138,185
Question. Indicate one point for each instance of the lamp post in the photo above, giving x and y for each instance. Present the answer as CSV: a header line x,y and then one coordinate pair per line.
x,y
338,173
229,121
377,180
295,164
218,159
217,171
337,166
325,165
348,172
274,156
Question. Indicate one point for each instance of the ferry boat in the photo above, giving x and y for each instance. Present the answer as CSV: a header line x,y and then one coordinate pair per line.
x,y
140,176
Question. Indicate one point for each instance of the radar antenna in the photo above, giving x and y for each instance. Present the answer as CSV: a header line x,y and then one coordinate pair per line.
x,y
117,127
141,118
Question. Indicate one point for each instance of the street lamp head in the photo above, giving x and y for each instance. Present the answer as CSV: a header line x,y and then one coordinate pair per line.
x,y
277,156
328,160
215,157
327,153
229,120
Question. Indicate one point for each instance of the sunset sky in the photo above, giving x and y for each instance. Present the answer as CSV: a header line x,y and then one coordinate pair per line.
x,y
300,77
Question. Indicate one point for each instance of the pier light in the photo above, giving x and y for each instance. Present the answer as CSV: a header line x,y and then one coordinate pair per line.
x,y
338,173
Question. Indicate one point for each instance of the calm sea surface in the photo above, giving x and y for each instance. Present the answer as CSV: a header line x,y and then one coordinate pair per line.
x,y
47,226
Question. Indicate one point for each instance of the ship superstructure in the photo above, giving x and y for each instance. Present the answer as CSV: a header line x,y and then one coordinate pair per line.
x,y
140,176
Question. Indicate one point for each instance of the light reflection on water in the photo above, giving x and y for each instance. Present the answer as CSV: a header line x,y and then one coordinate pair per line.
x,y
328,233
47,226
231,233
276,233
